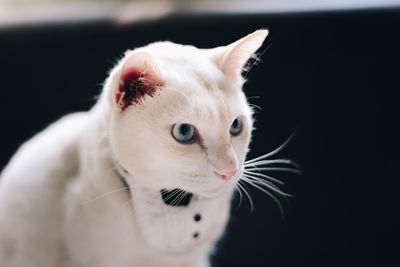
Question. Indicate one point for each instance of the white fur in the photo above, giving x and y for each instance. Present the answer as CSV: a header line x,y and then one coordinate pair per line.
x,y
63,204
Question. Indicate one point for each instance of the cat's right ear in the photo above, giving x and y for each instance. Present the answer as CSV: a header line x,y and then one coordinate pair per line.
x,y
232,58
139,77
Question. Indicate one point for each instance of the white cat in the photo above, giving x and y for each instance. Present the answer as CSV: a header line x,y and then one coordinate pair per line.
x,y
142,179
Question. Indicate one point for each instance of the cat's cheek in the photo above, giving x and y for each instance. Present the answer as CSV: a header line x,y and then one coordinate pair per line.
x,y
241,145
132,150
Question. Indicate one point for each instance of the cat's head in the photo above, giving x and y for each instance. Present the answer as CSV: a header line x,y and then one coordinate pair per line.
x,y
179,116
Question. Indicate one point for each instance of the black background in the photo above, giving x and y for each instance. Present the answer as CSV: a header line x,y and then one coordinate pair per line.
x,y
332,76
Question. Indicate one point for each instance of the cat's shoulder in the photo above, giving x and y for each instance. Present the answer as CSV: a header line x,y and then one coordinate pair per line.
x,y
31,191
54,147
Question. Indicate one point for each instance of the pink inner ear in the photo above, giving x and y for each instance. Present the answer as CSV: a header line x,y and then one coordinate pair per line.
x,y
241,53
139,78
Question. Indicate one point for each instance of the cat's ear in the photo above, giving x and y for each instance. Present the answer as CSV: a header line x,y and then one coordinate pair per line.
x,y
232,58
139,77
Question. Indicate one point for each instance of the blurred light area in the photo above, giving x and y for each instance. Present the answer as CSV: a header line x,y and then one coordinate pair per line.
x,y
44,12
287,6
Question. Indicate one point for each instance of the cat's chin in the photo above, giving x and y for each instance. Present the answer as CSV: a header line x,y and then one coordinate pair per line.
x,y
216,192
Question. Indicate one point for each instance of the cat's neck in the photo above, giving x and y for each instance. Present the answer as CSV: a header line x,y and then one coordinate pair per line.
x,y
171,197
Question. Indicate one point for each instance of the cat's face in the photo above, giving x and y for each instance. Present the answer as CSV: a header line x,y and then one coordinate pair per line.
x,y
180,118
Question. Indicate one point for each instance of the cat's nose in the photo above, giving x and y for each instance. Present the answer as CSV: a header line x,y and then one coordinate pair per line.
x,y
226,174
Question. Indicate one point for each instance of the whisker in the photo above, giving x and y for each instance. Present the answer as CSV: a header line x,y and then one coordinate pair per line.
x,y
173,194
247,194
253,105
271,195
104,195
269,185
253,96
273,161
178,198
296,171
264,176
275,151
257,59
237,189
266,183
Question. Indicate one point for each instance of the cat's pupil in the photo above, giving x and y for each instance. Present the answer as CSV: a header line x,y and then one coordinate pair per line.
x,y
235,123
236,126
185,129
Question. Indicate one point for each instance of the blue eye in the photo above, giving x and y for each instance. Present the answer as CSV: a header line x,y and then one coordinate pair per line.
x,y
236,127
183,132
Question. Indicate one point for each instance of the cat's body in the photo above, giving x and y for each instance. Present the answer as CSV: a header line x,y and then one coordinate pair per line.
x,y
63,197
77,227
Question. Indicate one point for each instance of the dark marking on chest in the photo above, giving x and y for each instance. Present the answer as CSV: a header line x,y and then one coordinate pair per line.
x,y
197,217
176,197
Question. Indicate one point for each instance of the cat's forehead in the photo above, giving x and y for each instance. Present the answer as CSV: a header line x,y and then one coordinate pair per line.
x,y
195,88
170,50
204,106
185,63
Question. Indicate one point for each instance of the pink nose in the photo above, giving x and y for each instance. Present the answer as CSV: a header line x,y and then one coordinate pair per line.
x,y
226,174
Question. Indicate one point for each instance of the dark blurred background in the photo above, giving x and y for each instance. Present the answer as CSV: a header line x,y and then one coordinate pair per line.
x,y
330,72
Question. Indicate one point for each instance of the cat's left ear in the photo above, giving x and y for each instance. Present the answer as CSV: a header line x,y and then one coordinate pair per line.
x,y
139,78
235,56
